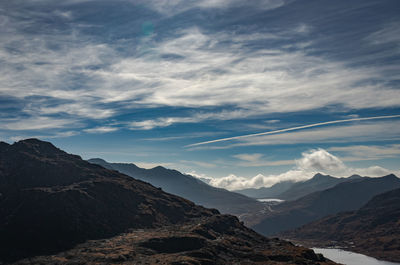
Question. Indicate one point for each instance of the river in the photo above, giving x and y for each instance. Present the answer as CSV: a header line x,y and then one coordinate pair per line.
x,y
350,258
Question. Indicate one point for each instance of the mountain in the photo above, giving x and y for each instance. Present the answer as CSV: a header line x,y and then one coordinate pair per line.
x,y
317,183
189,187
50,201
346,196
271,192
373,230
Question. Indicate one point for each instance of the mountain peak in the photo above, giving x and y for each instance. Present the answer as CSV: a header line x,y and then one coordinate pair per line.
x,y
320,176
354,176
390,176
37,146
96,160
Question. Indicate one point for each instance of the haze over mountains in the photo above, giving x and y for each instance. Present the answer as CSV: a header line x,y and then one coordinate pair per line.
x,y
50,201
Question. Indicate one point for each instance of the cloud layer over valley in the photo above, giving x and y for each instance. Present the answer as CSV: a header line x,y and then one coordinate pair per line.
x,y
312,162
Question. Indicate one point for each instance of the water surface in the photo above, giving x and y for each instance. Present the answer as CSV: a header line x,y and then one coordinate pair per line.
x,y
350,258
270,200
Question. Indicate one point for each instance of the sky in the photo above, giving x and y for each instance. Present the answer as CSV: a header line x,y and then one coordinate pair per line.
x,y
242,93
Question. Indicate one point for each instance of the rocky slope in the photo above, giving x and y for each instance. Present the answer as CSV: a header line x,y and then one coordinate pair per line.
x,y
350,195
51,201
373,230
219,239
188,187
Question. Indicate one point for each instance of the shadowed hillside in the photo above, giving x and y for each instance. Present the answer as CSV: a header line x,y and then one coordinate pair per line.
x,y
373,230
50,201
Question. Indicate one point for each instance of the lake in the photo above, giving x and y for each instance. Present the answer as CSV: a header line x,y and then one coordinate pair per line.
x,y
271,200
350,258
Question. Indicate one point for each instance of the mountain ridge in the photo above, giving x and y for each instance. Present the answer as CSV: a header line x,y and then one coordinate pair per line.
x,y
187,186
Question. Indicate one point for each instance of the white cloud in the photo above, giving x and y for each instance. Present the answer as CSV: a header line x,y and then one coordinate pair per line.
x,y
149,165
320,161
198,163
390,33
311,162
258,160
173,7
257,82
102,129
36,123
367,152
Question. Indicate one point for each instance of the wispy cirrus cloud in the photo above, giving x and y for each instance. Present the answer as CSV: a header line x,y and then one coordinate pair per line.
x,y
367,152
294,129
258,160
174,7
63,71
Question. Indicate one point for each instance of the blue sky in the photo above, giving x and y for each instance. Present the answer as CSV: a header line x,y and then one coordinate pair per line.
x,y
142,81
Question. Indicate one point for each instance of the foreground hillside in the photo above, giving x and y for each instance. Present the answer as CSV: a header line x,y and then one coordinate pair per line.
x,y
219,239
50,201
346,196
188,187
373,230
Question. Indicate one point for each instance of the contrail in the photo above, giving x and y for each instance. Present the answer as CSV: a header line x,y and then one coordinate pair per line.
x,y
293,129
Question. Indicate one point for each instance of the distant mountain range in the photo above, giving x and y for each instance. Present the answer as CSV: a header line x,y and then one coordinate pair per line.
x,y
289,190
50,201
346,196
272,192
373,230
187,186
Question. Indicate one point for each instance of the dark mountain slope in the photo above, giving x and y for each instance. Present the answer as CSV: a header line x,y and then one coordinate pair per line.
x,y
189,187
50,201
343,197
272,192
373,230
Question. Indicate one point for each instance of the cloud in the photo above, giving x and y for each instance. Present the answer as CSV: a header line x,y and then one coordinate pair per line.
x,y
367,152
62,71
102,129
312,162
377,131
198,163
294,129
258,160
390,33
321,161
36,123
173,7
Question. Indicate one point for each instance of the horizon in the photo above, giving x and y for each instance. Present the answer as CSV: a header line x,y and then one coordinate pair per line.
x,y
247,94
